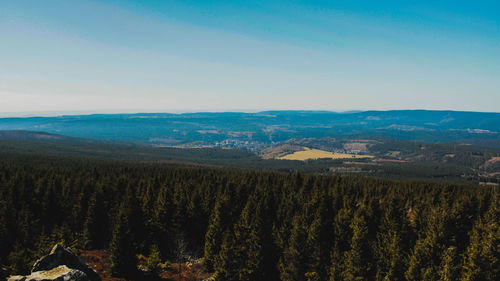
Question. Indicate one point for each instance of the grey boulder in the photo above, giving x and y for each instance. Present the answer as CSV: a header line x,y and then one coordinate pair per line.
x,y
60,273
60,265
59,255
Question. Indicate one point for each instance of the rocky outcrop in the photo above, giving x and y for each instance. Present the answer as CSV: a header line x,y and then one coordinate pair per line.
x,y
64,256
60,273
60,265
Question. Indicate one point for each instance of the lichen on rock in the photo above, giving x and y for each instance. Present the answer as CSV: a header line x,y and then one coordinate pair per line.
x,y
60,273
62,264
59,255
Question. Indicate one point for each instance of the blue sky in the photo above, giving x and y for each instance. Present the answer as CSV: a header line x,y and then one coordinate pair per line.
x,y
174,56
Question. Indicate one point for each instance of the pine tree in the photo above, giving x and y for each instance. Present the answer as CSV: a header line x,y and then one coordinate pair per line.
x,y
389,252
336,266
293,265
162,222
226,266
342,236
7,230
473,263
319,241
248,252
154,260
213,237
135,219
482,259
358,258
426,255
449,269
94,231
395,260
123,254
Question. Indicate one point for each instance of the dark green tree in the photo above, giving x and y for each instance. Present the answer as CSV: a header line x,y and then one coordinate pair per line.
x,y
94,230
319,241
154,260
227,266
389,251
426,255
358,259
342,238
123,252
482,258
162,222
213,237
293,263
450,267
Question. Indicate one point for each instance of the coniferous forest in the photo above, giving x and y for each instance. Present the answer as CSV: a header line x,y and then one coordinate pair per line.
x,y
248,225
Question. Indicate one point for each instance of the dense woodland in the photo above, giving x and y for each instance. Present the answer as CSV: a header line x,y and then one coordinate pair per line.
x,y
249,225
467,164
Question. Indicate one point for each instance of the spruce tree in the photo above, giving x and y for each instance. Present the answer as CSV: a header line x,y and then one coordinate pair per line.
x,y
123,254
319,241
426,255
248,242
342,236
213,237
482,258
135,219
94,232
449,269
154,260
226,266
358,259
162,222
336,265
474,263
293,265
389,252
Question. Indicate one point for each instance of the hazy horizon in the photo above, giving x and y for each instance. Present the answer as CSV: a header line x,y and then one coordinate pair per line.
x,y
187,56
111,112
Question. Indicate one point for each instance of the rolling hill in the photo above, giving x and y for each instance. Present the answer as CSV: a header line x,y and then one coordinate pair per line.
x,y
255,131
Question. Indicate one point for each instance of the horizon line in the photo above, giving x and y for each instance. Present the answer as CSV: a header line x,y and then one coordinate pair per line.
x,y
53,113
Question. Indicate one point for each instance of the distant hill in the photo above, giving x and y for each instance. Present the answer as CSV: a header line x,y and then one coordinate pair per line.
x,y
255,131
29,135
29,144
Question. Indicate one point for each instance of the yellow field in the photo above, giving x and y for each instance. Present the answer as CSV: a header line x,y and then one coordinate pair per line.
x,y
309,153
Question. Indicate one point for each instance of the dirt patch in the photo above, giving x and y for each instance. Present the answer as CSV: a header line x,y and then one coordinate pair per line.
x,y
356,146
280,150
489,183
187,272
100,261
492,161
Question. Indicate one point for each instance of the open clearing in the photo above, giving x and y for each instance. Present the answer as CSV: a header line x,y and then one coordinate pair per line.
x,y
309,153
493,160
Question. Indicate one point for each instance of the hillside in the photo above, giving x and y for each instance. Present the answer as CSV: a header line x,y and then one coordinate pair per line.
x,y
255,131
369,156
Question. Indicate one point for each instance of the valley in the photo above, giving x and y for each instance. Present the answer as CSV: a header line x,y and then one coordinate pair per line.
x,y
368,156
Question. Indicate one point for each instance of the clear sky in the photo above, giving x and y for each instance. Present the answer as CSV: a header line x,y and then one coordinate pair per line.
x,y
170,56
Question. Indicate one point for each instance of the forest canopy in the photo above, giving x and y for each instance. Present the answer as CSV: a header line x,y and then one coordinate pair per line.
x,y
249,225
